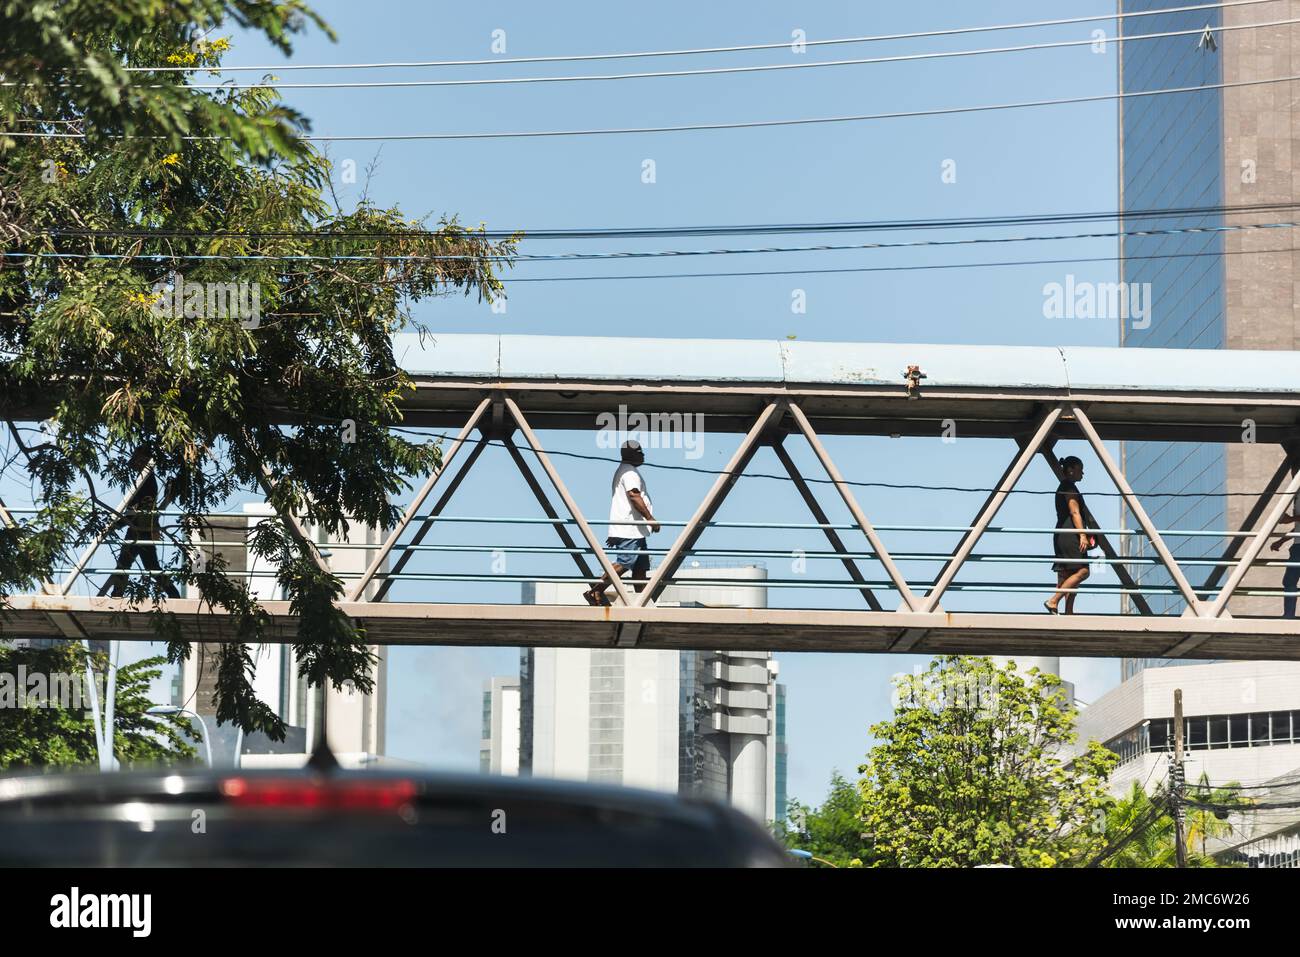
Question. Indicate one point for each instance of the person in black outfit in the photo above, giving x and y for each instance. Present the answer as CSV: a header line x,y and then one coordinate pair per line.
x,y
1290,577
142,529
1071,540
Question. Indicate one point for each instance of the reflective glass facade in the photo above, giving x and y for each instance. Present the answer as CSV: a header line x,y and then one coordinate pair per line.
x,y
781,754
606,715
1172,159
691,707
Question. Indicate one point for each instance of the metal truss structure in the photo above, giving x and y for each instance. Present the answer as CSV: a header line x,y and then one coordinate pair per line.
x,y
771,415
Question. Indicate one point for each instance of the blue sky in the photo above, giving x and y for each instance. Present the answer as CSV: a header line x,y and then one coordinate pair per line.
x,y
1050,160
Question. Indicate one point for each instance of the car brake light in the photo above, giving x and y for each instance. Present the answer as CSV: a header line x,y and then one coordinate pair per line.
x,y
318,794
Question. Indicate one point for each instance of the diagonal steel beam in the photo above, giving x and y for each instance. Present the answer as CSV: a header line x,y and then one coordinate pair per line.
x,y
910,601
545,461
427,522
1121,482
544,501
686,539
266,480
1107,549
819,514
99,539
1291,460
416,503
1256,545
990,508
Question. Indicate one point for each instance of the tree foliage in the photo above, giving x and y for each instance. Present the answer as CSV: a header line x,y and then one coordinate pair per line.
x,y
48,733
1140,826
831,832
296,405
972,770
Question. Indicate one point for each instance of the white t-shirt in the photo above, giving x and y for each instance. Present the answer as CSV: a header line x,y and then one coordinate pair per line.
x,y
624,520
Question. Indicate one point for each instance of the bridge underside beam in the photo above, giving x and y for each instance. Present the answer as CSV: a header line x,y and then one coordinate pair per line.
x,y
766,629
728,407
873,410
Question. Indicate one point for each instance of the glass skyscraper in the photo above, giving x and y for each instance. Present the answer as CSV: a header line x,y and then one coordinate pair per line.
x,y
1182,154
1172,159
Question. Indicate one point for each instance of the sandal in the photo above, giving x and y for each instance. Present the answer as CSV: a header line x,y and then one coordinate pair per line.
x,y
1051,609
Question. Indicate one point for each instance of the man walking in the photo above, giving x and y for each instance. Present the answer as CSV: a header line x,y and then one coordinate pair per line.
x,y
630,521
142,529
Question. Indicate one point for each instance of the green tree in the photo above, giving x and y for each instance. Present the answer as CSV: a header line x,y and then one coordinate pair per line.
x,y
1139,831
1140,827
87,64
972,770
297,405
37,729
831,832
1209,813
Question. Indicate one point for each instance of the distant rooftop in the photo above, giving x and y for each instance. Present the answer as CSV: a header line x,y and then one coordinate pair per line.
x,y
570,358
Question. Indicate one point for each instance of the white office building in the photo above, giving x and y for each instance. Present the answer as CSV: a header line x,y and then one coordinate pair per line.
x,y
499,749
1241,726
694,722
355,721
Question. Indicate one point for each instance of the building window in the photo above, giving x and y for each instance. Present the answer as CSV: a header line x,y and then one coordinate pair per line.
x,y
1208,732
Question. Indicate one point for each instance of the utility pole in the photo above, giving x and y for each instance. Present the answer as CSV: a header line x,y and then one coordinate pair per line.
x,y
1177,778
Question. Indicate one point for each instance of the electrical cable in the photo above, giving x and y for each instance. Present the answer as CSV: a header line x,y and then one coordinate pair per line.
x,y
664,253
1024,219
710,71
735,125
1118,17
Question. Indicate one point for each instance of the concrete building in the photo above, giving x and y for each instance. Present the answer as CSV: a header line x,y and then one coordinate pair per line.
x,y
1214,149
708,723
1241,725
355,721
499,752
1267,837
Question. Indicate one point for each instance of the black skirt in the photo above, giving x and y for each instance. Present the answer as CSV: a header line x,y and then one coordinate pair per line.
x,y
1066,549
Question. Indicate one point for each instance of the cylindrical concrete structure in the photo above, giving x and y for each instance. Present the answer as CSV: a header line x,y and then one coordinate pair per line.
x,y
749,773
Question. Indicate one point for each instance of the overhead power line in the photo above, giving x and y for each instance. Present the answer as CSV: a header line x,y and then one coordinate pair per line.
x,y
716,71
1067,261
738,125
783,45
656,253
759,229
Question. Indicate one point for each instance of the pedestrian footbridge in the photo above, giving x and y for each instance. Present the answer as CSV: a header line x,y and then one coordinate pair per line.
x,y
1177,592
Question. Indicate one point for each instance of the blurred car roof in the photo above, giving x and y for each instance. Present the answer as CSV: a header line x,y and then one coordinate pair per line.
x,y
337,817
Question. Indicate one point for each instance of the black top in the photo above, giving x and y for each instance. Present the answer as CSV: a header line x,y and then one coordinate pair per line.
x,y
1065,491
144,501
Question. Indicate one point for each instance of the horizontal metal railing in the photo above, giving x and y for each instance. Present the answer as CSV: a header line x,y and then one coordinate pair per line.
x,y
991,558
